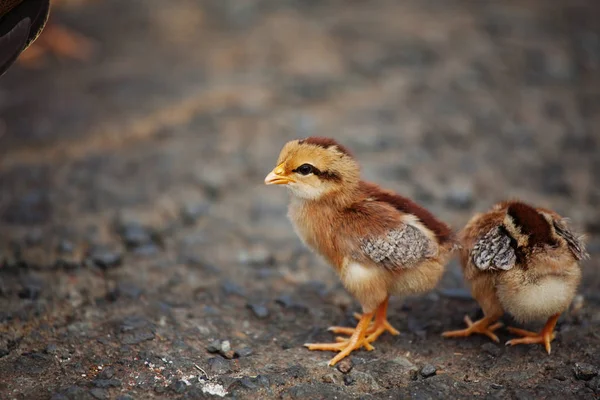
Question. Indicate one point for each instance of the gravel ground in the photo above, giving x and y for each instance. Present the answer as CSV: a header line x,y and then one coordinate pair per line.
x,y
142,256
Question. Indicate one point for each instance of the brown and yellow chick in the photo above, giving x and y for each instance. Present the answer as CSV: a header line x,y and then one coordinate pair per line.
x,y
521,260
378,242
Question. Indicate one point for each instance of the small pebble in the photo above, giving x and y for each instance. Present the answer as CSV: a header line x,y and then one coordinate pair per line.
x,y
428,370
218,366
51,348
259,310
348,380
178,386
247,383
244,352
225,346
329,378
107,373
345,365
105,258
585,371
214,346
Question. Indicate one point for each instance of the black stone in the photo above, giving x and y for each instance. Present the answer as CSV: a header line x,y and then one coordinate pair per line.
x,y
178,386
51,348
244,352
214,346
259,310
349,380
584,371
105,258
218,366
107,373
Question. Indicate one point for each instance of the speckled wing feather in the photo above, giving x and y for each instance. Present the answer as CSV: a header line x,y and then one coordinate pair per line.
x,y
494,251
575,243
403,247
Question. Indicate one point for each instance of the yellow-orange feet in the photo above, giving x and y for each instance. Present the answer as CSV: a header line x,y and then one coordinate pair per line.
x,y
376,328
545,336
345,347
484,327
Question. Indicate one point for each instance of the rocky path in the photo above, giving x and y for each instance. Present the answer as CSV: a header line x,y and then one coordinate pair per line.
x,y
142,256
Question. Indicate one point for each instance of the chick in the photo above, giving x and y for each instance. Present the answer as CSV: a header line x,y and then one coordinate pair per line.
x,y
378,242
521,260
21,22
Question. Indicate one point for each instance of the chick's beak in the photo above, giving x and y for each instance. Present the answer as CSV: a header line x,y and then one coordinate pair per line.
x,y
276,177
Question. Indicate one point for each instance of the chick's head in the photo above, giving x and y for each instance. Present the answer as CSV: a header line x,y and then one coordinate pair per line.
x,y
315,167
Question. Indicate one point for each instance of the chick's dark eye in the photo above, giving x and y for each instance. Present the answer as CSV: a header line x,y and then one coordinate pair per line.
x,y
304,169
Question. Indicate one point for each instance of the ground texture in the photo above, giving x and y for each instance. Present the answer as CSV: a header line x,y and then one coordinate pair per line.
x,y
142,256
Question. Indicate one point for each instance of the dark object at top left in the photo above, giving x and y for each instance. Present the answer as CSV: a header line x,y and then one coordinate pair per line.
x,y
21,22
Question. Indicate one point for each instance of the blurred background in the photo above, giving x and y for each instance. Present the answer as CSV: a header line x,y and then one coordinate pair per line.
x,y
135,228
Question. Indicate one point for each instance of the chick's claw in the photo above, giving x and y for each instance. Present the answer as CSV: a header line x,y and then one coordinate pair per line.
x,y
367,345
482,327
544,337
345,347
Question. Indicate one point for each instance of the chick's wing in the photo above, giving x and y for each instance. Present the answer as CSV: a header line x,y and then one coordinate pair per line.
x,y
405,246
494,251
575,243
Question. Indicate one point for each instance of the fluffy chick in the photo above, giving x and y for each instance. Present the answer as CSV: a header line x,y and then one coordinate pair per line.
x,y
379,243
521,260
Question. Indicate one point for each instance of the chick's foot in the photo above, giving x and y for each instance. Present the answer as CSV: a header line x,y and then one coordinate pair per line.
x,y
484,327
375,329
347,346
545,336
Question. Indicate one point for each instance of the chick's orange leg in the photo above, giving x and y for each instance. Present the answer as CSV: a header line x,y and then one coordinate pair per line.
x,y
345,347
374,330
381,323
545,336
484,326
